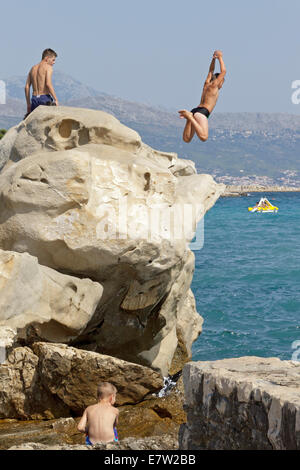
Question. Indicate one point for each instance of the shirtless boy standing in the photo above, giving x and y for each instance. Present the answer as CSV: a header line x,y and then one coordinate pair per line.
x,y
40,78
98,421
197,119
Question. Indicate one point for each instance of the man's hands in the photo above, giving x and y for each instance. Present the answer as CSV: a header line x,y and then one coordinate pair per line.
x,y
218,54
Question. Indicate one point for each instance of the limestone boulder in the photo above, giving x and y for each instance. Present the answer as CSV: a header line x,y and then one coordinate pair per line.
x,y
72,375
7,143
183,168
88,198
22,394
41,303
64,128
188,328
247,403
53,380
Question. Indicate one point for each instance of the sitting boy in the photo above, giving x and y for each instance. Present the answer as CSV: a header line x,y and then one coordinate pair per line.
x,y
99,421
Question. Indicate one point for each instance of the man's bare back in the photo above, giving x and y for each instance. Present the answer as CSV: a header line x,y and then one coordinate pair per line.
x,y
197,119
39,74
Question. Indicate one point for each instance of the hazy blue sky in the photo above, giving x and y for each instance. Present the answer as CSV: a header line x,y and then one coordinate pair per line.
x,y
158,51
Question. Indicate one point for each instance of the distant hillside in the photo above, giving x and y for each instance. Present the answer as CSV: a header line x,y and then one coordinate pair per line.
x,y
249,143
67,87
239,144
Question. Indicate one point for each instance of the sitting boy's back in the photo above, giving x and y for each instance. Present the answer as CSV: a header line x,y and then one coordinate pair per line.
x,y
98,420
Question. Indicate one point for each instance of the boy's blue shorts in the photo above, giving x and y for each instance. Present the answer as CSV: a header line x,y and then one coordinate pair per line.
x,y
88,442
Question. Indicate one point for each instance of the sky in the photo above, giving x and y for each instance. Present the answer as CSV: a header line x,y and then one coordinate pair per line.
x,y
158,51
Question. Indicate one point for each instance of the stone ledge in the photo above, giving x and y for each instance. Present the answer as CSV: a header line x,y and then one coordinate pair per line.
x,y
148,443
243,403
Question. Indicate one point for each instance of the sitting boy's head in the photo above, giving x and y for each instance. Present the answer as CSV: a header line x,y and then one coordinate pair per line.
x,y
106,391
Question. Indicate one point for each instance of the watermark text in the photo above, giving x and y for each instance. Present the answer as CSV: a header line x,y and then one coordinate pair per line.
x,y
296,94
2,92
157,223
2,353
296,353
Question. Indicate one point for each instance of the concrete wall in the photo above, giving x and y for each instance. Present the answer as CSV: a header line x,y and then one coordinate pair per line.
x,y
244,403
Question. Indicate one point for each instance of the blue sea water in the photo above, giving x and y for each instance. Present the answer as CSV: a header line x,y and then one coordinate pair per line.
x,y
247,279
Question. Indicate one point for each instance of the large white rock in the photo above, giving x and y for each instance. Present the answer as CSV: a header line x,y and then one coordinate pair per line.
x,y
72,375
64,128
83,194
7,143
42,303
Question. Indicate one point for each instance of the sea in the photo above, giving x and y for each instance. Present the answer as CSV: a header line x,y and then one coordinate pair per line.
x,y
247,280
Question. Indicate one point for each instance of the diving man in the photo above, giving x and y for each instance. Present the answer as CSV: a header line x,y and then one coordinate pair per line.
x,y
197,118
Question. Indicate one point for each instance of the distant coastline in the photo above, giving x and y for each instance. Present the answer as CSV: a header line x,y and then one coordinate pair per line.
x,y
243,190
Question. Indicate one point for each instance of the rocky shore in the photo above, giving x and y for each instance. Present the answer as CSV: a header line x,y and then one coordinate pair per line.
x,y
153,423
147,443
243,190
94,283
95,276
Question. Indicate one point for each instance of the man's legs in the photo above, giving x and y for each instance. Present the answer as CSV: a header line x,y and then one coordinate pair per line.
x,y
195,123
188,132
201,126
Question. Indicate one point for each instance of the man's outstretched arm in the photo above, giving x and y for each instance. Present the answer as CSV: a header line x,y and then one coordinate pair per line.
x,y
211,69
27,92
219,56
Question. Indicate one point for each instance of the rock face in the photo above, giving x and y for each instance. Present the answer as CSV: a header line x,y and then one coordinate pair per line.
x,y
245,403
22,395
39,302
54,380
84,195
64,128
72,375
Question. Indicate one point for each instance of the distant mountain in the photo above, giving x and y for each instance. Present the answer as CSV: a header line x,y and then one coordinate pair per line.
x,y
67,88
257,144
14,108
239,143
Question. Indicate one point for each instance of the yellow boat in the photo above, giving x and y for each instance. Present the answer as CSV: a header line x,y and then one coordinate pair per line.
x,y
263,206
